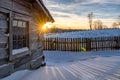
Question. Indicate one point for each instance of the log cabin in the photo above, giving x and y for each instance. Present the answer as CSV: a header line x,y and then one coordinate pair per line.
x,y
21,37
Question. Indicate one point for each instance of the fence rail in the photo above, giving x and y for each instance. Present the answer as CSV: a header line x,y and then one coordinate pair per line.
x,y
82,44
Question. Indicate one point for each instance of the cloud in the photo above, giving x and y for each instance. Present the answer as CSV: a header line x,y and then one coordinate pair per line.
x,y
74,12
97,1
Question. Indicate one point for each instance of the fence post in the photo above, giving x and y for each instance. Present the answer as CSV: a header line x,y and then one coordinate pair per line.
x,y
88,44
117,42
44,43
65,44
52,43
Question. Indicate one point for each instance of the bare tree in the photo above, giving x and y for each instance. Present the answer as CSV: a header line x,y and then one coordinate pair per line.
x,y
115,25
118,20
98,24
105,27
90,17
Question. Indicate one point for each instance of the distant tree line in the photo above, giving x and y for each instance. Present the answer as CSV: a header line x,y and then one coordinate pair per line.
x,y
116,24
98,24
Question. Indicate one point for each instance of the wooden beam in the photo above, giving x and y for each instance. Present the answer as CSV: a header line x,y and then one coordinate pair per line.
x,y
45,10
10,42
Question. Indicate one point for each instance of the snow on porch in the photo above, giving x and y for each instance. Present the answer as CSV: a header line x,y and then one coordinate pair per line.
x,y
100,65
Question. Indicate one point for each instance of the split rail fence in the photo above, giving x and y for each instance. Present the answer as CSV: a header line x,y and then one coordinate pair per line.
x,y
82,44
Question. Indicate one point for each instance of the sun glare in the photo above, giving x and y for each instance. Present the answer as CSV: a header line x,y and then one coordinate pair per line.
x,y
44,27
47,26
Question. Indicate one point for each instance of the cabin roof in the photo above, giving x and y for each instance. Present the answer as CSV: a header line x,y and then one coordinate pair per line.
x,y
45,10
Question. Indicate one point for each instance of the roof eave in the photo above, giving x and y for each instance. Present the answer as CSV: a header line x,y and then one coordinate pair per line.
x,y
45,10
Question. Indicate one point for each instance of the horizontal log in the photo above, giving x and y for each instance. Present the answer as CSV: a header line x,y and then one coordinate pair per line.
x,y
3,24
4,10
33,37
3,53
23,3
41,45
36,45
3,38
24,66
20,8
21,17
36,53
6,4
34,41
33,46
3,45
21,61
3,61
36,62
6,70
15,6
3,16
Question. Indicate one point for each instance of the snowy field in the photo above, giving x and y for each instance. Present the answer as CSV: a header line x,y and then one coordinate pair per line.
x,y
100,65
86,34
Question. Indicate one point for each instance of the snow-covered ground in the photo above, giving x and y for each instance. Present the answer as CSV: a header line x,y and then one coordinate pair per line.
x,y
86,34
100,65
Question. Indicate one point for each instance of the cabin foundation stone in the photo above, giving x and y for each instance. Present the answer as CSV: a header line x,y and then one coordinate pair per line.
x,y
36,63
6,70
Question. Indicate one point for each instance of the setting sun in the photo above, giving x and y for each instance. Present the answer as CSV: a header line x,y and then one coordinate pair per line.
x,y
44,27
47,25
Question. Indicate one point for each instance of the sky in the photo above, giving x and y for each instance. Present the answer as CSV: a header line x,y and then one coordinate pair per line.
x,y
72,14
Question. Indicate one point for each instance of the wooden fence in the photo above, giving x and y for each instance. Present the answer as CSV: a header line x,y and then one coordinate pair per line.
x,y
82,44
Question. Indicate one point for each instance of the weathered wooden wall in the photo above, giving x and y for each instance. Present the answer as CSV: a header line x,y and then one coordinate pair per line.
x,y
3,38
24,10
